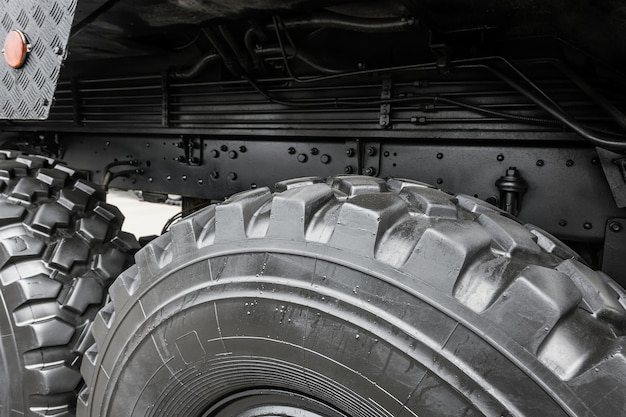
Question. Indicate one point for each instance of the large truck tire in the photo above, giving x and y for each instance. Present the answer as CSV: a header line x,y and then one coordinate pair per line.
x,y
60,248
357,297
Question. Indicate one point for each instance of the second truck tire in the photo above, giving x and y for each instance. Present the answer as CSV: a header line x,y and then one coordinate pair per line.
x,y
60,247
357,297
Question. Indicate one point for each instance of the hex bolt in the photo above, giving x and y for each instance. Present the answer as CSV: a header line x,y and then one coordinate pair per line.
x,y
232,176
223,148
215,153
615,227
500,157
315,151
57,50
540,162
350,152
569,163
386,153
243,149
169,178
562,223
200,181
232,155
302,158
325,159
587,226
291,150
147,145
439,155
348,169
214,175
370,171
150,179
371,151
184,177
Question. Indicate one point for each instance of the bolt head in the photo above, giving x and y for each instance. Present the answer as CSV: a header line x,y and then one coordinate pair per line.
x,y
615,227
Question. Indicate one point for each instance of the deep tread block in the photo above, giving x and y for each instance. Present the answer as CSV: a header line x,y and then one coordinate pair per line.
x,y
293,210
290,184
232,217
31,162
509,235
84,292
74,200
10,169
68,252
534,303
52,177
551,244
352,185
39,287
11,213
109,212
92,229
19,248
29,189
433,203
102,323
91,190
51,332
478,206
599,297
49,217
110,264
445,250
57,379
125,242
364,218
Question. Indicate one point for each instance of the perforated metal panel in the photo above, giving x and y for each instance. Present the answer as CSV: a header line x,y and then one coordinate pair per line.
x,y
27,92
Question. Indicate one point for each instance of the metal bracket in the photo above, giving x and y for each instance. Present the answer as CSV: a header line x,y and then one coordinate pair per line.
x,y
385,109
371,158
614,251
353,152
192,148
614,166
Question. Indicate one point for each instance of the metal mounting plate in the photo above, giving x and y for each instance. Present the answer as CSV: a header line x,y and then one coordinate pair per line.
x,y
26,93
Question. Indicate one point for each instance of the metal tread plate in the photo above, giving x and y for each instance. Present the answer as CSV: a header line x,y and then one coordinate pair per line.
x,y
27,93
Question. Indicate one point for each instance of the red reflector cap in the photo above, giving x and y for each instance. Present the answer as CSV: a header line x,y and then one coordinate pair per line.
x,y
15,49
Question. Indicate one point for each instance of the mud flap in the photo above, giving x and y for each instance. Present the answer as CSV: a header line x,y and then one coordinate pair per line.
x,y
27,93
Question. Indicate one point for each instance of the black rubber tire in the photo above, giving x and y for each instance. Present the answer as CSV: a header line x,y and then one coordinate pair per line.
x,y
357,297
60,248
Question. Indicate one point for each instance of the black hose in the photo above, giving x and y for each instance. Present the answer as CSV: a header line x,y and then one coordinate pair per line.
x,y
355,24
301,56
603,142
333,21
224,52
618,117
195,69
244,59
